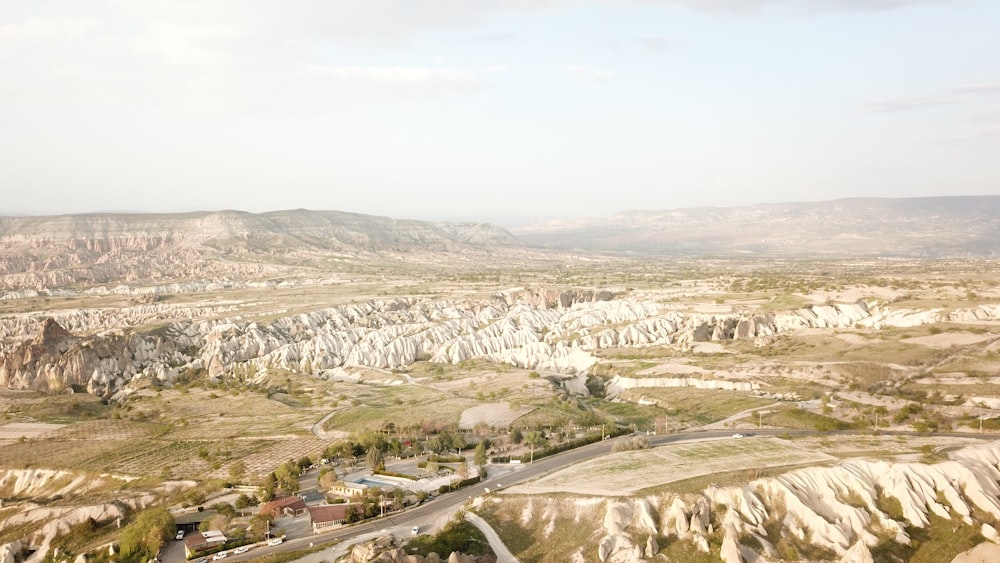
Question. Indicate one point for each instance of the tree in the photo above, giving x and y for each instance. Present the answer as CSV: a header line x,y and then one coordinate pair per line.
x,y
327,479
267,489
353,514
516,436
480,458
287,476
436,444
259,525
304,463
246,501
374,459
534,438
144,537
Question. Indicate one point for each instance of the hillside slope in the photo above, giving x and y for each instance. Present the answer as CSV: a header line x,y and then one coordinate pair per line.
x,y
931,227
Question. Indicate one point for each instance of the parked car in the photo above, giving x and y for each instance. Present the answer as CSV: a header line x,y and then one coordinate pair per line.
x,y
275,541
201,560
415,530
180,534
241,549
219,555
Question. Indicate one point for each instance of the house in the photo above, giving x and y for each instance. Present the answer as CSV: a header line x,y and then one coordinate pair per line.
x,y
199,543
329,516
289,506
348,490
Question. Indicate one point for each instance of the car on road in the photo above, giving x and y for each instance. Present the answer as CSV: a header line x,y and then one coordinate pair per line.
x,y
201,560
220,555
415,530
241,549
738,435
180,534
275,541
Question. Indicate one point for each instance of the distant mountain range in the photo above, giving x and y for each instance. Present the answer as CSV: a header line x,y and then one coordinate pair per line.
x,y
104,248
57,251
931,227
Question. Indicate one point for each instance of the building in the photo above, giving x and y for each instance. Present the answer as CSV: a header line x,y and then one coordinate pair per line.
x,y
330,516
200,543
348,490
289,506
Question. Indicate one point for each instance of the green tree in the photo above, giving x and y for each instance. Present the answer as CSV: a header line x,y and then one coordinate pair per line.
x,y
287,476
268,487
146,535
304,463
480,457
259,525
246,501
534,439
374,459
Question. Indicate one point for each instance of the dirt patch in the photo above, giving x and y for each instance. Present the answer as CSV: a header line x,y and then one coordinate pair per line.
x,y
948,339
498,415
673,368
854,294
28,430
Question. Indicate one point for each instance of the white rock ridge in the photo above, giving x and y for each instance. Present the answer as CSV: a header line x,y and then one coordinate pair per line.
x,y
843,511
552,332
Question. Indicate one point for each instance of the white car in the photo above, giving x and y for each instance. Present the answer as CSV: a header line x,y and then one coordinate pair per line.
x,y
415,530
241,549
274,541
180,534
737,435
219,555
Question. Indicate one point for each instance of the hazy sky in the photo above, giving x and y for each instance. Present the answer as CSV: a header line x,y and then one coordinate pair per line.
x,y
476,108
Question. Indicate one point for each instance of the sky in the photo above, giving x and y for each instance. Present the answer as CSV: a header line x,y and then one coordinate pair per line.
x,y
476,109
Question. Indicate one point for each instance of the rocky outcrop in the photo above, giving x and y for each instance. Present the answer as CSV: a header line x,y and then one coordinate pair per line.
x,y
60,500
556,332
386,549
844,511
46,253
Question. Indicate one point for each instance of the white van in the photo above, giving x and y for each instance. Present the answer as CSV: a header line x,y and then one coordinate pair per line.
x,y
275,541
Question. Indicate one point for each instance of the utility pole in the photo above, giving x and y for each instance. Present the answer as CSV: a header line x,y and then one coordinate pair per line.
x,y
760,419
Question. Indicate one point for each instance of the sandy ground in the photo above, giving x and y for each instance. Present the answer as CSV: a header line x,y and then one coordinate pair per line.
x,y
947,339
15,430
672,368
853,294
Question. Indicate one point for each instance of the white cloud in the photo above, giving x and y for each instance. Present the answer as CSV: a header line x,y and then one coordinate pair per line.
x,y
219,57
589,74
978,88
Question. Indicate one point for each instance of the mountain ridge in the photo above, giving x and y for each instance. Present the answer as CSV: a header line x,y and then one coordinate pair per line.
x,y
930,227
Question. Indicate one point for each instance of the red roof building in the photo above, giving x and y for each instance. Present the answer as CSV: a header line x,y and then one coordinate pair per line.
x,y
329,516
291,506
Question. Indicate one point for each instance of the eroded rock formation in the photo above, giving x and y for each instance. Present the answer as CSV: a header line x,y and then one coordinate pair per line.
x,y
554,332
